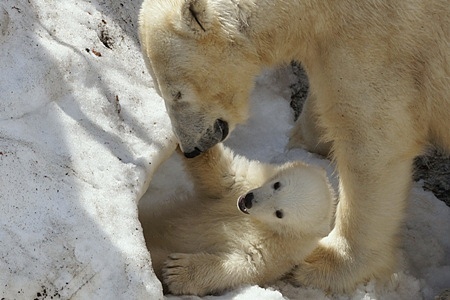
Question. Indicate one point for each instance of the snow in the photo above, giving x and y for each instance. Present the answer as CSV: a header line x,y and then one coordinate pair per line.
x,y
82,134
80,137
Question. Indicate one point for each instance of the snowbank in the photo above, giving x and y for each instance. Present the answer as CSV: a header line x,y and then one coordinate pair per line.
x,y
81,130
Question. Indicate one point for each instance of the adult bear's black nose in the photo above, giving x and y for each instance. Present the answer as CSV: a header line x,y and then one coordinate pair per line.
x,y
222,127
248,199
213,135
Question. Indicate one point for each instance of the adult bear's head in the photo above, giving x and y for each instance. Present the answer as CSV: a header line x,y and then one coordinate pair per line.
x,y
203,64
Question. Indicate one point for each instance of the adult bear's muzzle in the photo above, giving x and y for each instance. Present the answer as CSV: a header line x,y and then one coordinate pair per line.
x,y
213,135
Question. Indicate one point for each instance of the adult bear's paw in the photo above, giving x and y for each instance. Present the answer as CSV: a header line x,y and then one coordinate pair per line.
x,y
329,268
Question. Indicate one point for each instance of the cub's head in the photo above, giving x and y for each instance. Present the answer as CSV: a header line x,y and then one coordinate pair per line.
x,y
202,64
298,199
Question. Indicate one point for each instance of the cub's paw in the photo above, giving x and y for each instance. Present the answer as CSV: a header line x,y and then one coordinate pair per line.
x,y
179,274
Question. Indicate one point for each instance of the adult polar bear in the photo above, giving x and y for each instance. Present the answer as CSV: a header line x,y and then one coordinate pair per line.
x,y
379,74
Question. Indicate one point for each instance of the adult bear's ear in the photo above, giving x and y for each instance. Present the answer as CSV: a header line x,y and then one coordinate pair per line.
x,y
196,16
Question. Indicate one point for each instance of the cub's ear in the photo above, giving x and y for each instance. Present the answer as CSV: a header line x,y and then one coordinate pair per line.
x,y
196,16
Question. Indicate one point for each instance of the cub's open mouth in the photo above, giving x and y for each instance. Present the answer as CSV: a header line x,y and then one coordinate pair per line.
x,y
241,204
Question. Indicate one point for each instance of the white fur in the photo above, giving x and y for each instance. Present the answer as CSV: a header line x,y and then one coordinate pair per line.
x,y
207,245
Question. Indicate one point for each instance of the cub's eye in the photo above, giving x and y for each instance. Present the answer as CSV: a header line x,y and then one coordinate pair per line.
x,y
276,185
279,214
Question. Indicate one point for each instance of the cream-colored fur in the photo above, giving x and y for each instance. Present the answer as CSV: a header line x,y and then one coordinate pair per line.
x,y
379,73
207,245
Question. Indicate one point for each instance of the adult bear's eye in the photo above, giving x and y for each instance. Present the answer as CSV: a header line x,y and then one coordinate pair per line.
x,y
279,214
177,96
276,185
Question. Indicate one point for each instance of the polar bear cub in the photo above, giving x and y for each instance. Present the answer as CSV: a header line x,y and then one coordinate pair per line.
x,y
245,223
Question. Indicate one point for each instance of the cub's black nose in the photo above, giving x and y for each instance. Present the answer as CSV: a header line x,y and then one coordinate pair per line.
x,y
248,200
245,202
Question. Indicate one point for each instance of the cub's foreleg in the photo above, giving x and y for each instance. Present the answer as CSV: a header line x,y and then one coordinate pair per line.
x,y
218,172
212,172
